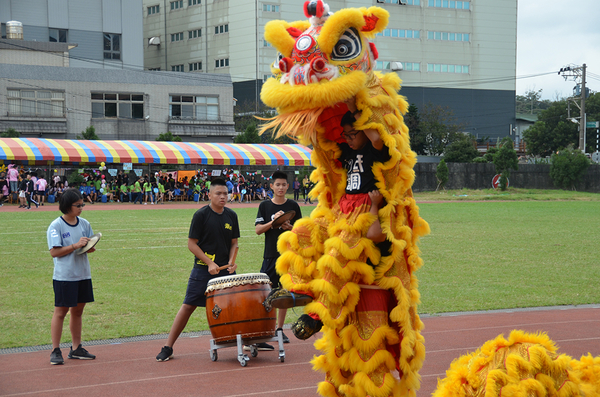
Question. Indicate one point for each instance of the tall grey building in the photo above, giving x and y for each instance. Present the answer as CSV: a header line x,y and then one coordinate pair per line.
x,y
460,54
108,33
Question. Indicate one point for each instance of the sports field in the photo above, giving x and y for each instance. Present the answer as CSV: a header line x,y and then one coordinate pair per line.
x,y
479,256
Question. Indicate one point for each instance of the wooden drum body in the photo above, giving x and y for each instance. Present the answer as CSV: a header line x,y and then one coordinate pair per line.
x,y
234,306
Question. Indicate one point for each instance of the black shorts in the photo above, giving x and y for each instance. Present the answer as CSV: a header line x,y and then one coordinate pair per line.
x,y
71,293
268,267
199,278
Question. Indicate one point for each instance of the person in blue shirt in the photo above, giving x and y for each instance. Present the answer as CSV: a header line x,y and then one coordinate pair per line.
x,y
72,279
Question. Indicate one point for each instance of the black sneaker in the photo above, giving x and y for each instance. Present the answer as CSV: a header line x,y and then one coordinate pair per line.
x,y
56,357
80,353
285,338
264,347
165,354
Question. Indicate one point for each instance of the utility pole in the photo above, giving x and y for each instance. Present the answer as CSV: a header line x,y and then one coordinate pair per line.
x,y
578,73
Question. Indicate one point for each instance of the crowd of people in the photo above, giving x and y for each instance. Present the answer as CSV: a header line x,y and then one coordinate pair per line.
x,y
31,187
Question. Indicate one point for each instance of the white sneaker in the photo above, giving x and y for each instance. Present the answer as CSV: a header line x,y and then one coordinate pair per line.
x,y
152,203
145,203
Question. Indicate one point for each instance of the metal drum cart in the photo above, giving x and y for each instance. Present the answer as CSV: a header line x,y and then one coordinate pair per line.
x,y
237,317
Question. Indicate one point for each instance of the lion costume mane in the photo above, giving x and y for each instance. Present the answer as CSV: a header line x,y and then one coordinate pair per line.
x,y
371,326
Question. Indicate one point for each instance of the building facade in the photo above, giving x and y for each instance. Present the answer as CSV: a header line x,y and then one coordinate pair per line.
x,y
59,102
108,33
460,54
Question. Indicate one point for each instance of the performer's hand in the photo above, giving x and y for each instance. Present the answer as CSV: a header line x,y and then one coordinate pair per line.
x,y
351,103
376,198
91,250
278,214
232,268
213,268
82,242
287,225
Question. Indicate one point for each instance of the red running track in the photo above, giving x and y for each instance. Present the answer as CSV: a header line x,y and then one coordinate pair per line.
x,y
130,369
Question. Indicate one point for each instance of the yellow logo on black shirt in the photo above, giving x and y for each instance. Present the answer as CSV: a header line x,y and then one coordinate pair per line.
x,y
228,226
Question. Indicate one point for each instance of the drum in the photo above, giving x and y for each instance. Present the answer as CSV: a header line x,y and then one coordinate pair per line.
x,y
234,305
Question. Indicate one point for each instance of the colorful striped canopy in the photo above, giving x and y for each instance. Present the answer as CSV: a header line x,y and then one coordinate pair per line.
x,y
60,151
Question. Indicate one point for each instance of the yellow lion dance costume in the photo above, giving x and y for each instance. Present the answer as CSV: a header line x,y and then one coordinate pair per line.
x,y
369,313
524,365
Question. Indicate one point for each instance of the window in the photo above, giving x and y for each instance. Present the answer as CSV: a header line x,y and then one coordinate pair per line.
x,y
266,43
459,5
400,33
406,66
402,2
112,46
193,2
153,10
177,68
270,8
175,5
177,36
194,34
221,63
114,105
36,103
193,107
193,67
221,29
444,68
58,35
448,36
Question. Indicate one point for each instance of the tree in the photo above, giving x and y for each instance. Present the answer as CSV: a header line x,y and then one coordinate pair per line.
x,y
248,136
506,159
10,133
169,137
440,128
531,102
441,175
417,137
553,131
461,150
89,134
567,167
75,178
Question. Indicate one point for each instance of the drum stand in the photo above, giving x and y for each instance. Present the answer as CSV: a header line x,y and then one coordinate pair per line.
x,y
243,358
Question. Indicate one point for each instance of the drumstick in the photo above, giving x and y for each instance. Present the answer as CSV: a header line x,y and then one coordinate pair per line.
x,y
232,261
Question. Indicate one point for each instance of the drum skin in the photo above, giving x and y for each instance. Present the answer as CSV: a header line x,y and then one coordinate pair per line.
x,y
239,310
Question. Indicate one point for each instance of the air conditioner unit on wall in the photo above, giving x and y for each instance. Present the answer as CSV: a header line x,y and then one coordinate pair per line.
x,y
154,41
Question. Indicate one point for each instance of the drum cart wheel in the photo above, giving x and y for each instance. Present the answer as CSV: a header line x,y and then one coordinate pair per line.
x,y
253,351
213,355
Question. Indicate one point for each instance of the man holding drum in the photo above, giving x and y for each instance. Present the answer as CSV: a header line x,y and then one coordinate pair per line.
x,y
266,222
213,239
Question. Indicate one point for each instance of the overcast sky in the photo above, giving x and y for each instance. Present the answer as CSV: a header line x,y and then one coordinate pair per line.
x,y
552,34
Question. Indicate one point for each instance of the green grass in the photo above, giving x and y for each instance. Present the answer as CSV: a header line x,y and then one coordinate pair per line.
x,y
510,194
479,256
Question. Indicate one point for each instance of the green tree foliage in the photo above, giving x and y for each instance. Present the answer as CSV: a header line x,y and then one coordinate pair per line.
x,y
442,175
554,131
75,179
567,167
505,159
461,150
89,134
248,136
532,102
10,133
440,128
169,137
417,137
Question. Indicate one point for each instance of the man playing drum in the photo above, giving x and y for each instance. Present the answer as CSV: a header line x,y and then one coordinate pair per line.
x,y
213,239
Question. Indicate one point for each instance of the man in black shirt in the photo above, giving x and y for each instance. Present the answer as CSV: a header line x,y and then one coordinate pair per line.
x,y
268,211
213,239
29,192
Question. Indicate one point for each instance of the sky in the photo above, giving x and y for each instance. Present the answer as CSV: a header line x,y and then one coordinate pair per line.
x,y
552,34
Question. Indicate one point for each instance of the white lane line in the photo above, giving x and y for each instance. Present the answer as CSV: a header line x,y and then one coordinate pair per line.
x,y
155,379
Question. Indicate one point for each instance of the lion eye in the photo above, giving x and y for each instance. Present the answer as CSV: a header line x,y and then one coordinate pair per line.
x,y
349,46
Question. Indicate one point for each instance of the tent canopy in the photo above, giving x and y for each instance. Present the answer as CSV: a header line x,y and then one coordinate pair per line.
x,y
57,151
